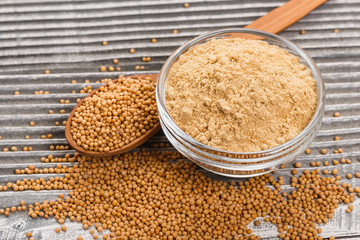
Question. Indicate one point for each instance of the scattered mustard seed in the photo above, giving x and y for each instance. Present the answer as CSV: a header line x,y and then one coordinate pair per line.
x,y
186,5
336,30
302,32
336,138
323,151
102,69
349,176
16,93
308,151
51,112
104,43
118,68
115,61
32,124
132,50
175,31
47,71
111,69
337,114
154,40
298,165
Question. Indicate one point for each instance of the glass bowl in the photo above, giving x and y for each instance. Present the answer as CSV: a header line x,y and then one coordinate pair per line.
x,y
239,164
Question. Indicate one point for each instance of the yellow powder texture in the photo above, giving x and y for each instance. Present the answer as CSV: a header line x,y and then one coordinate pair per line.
x,y
240,95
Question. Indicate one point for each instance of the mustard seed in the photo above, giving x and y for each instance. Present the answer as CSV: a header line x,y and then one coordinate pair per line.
x,y
302,32
132,50
336,138
357,174
102,69
104,43
28,234
175,31
323,151
57,230
111,69
154,40
186,5
118,68
47,71
141,95
349,175
337,114
298,165
336,30
32,124
16,93
308,151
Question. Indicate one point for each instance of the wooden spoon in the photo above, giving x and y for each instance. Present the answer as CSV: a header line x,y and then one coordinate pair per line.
x,y
134,144
273,22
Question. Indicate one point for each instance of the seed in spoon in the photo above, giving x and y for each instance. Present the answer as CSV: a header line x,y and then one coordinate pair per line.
x,y
116,115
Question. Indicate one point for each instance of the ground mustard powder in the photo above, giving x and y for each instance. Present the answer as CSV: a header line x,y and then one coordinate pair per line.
x,y
240,95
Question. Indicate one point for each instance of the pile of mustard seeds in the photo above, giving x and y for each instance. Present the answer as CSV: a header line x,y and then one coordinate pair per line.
x,y
116,115
156,195
240,95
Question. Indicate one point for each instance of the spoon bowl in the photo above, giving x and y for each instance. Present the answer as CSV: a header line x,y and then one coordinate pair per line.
x,y
130,146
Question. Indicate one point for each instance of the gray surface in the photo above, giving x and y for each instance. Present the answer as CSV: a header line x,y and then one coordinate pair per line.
x,y
65,37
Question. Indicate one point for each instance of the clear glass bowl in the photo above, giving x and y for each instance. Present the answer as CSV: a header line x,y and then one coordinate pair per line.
x,y
239,164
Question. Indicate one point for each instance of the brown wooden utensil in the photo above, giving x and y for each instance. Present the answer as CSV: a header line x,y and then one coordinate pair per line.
x,y
134,144
273,22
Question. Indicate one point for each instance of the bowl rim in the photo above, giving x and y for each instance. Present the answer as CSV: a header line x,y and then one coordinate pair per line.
x,y
162,79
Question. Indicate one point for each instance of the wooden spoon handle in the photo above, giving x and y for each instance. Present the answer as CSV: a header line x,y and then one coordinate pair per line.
x,y
285,15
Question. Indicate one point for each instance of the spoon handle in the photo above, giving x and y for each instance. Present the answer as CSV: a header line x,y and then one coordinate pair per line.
x,y
284,16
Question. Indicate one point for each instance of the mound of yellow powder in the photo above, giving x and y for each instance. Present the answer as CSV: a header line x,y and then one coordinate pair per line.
x,y
240,95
